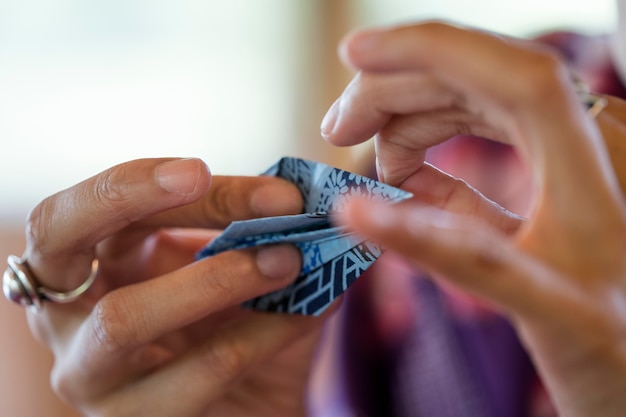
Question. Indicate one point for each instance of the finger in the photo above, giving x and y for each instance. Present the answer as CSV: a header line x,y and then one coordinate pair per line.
x,y
525,93
229,199
466,251
63,230
401,144
162,253
535,294
152,254
435,188
612,123
135,315
234,198
408,111
206,374
371,99
173,249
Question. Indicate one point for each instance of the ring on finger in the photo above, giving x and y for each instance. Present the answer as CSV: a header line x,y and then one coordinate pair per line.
x,y
594,103
20,285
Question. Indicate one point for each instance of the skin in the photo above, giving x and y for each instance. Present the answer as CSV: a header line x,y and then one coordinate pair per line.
x,y
560,275
159,334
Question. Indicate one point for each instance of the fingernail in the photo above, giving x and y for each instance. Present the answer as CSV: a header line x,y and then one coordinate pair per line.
x,y
278,262
329,120
276,199
180,176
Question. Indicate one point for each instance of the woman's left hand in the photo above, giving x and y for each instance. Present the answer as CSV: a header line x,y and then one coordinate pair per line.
x,y
157,333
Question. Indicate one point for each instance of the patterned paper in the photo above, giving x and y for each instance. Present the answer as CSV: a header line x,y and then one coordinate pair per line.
x,y
332,258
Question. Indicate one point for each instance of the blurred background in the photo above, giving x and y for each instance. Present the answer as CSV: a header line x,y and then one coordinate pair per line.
x,y
86,84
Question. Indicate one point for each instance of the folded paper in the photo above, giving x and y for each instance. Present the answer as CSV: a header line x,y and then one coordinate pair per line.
x,y
332,257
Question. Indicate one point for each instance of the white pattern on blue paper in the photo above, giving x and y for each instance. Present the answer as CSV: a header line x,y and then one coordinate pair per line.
x,y
332,258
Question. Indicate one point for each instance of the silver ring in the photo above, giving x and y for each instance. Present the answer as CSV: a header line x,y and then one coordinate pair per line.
x,y
594,103
20,286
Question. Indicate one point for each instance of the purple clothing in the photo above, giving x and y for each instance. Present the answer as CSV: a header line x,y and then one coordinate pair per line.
x,y
444,368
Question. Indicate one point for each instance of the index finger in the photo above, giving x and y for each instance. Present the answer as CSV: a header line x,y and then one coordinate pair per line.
x,y
64,229
229,199
233,198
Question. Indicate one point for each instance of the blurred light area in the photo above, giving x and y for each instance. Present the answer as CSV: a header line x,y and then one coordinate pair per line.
x,y
86,84
511,17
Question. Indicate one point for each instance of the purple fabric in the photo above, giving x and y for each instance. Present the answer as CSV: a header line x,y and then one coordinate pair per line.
x,y
433,376
499,363
367,365
445,368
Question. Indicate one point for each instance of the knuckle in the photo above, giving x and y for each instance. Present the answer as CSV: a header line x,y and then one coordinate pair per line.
x,y
112,406
40,328
38,224
61,384
218,204
488,259
111,329
456,190
162,240
544,78
219,285
218,281
462,128
111,189
66,388
434,28
482,253
64,385
488,255
225,359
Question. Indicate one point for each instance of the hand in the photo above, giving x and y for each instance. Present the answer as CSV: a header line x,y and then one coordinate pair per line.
x,y
560,275
159,334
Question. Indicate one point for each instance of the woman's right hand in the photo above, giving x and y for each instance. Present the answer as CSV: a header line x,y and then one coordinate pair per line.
x,y
160,334
560,274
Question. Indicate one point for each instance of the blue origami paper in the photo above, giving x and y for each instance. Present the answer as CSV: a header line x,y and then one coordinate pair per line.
x,y
332,257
